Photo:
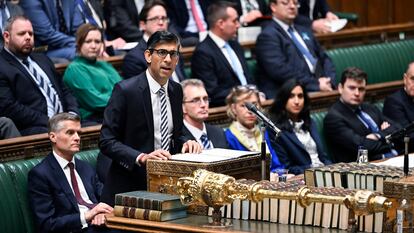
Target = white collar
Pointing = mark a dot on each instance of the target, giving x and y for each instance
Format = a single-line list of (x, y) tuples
[(154, 85), (284, 25), (63, 162), (196, 132), (219, 41)]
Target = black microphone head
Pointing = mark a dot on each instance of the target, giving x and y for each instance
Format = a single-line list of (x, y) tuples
[(250, 106)]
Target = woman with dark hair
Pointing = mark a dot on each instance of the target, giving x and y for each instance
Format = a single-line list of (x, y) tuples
[(244, 133), (299, 146), (90, 79)]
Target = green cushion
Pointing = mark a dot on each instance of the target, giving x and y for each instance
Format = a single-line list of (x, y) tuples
[(352, 17), (383, 62), (11, 220), (18, 171), (318, 118)]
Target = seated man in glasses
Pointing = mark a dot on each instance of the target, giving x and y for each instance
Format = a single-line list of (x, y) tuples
[(153, 17), (195, 110)]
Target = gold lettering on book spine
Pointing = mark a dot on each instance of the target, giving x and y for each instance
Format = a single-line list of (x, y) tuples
[(216, 190)]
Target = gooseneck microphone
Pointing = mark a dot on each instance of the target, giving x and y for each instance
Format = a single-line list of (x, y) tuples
[(252, 108)]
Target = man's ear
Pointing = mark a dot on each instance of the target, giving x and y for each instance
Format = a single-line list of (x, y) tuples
[(147, 55), (52, 137)]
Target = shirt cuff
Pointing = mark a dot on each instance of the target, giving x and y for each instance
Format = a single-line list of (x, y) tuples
[(138, 159), (83, 220)]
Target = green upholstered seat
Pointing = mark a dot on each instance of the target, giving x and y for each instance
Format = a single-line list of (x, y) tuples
[(383, 62), (11, 216), (16, 172), (318, 117)]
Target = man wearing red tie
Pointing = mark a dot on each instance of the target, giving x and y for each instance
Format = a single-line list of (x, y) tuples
[(64, 191)]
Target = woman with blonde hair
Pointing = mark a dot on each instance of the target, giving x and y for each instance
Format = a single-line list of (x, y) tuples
[(244, 133)]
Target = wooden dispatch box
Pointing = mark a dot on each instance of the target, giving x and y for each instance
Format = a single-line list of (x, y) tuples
[(393, 191), (162, 175)]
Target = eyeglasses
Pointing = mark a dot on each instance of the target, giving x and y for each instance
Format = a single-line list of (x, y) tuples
[(286, 3), (163, 53), (198, 100), (157, 19), (248, 87)]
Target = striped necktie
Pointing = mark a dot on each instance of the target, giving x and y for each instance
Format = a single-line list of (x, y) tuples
[(61, 17), (204, 140), (44, 84), (165, 142)]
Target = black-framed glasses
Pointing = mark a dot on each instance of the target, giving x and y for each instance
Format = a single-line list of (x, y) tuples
[(287, 2), (198, 100), (163, 53), (157, 19)]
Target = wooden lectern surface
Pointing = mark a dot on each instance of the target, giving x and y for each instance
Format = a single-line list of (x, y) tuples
[(194, 223)]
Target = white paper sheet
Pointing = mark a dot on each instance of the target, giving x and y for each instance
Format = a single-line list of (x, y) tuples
[(212, 155)]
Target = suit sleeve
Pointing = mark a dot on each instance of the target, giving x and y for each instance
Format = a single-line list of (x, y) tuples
[(338, 131), (283, 156), (133, 64), (271, 54), (43, 205), (43, 28), (202, 67), (394, 110), (22, 116), (120, 22), (112, 130)]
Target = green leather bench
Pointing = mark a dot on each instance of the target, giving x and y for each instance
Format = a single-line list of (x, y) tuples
[(14, 204), (383, 62)]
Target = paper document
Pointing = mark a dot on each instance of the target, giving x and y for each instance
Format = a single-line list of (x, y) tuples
[(129, 46), (397, 161), (337, 25), (213, 155)]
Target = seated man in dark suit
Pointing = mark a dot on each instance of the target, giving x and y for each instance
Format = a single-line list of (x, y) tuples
[(195, 110), (64, 191), (219, 60), (31, 91), (153, 17), (188, 18), (399, 106), (350, 123), (285, 50), (144, 119)]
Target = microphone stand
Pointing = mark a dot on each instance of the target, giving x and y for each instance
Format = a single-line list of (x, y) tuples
[(406, 158), (263, 152)]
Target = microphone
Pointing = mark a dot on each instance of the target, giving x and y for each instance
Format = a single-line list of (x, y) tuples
[(400, 132), (252, 108)]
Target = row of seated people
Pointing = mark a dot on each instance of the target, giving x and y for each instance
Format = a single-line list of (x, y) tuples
[(56, 21), (144, 120), (91, 80)]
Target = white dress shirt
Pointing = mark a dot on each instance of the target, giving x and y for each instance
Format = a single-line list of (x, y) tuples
[(197, 133), (191, 25)]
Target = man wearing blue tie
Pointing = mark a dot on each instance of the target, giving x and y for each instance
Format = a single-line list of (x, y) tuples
[(219, 60), (285, 50), (350, 123)]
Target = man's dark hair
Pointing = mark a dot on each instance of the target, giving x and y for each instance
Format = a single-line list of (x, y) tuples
[(162, 37), (54, 125), (353, 73), (148, 6), (217, 11), (11, 20)]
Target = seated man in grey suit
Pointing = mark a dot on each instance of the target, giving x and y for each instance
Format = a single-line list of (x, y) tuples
[(195, 110), (8, 129)]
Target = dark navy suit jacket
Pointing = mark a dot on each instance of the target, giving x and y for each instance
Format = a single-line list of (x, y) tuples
[(215, 135), (52, 200), (20, 97), (319, 11), (135, 63), (279, 59), (292, 152), (399, 107), (128, 130), (210, 65), (344, 132)]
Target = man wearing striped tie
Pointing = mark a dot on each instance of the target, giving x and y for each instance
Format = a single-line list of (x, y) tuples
[(144, 119), (195, 110), (31, 91)]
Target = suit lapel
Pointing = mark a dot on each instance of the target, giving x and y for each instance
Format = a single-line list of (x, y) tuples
[(353, 120), (292, 137), (60, 178), (86, 183), (176, 104), (12, 61), (220, 55), (144, 89)]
